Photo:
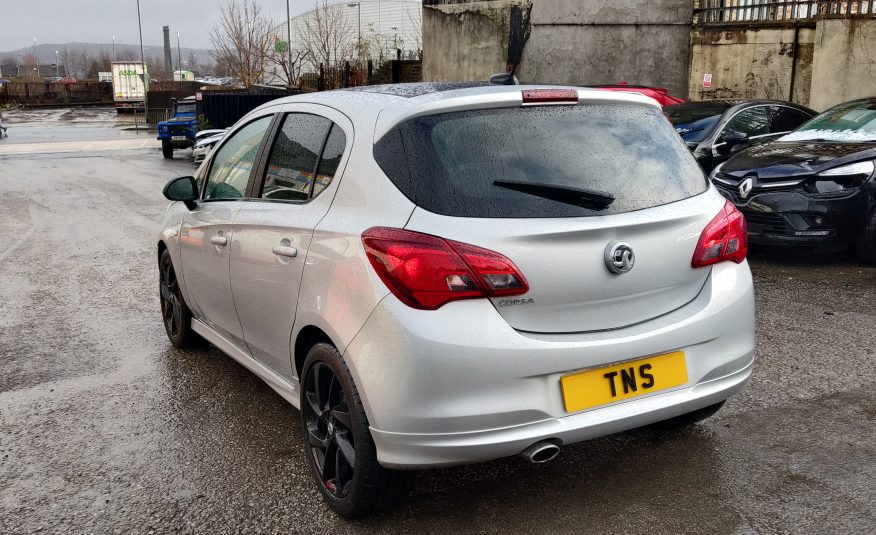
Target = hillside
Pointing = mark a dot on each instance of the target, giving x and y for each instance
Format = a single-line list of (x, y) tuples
[(46, 52)]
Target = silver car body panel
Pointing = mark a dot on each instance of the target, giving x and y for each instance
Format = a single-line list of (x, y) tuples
[(472, 380)]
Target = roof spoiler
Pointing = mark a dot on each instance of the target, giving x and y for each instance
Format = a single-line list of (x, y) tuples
[(504, 78)]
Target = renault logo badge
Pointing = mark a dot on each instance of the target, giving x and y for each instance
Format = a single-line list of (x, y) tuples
[(745, 187), (619, 257)]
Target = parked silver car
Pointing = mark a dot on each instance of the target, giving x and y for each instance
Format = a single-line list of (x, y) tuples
[(438, 274)]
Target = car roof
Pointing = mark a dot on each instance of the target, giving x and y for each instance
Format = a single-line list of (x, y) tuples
[(416, 89), (705, 104), (388, 105), (728, 104)]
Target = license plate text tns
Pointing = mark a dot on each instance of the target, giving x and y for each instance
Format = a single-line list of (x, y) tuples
[(623, 381)]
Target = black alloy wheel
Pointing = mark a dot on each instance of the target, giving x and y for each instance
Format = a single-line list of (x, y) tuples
[(338, 445), (328, 428), (174, 312)]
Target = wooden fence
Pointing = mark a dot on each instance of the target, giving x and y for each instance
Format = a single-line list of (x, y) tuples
[(47, 94)]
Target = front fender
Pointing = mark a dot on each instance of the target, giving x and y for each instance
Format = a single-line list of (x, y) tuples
[(170, 237)]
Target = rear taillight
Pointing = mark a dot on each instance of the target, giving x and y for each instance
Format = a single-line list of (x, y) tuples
[(425, 271), (724, 238)]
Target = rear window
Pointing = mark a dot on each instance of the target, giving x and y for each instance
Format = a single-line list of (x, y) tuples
[(534, 161)]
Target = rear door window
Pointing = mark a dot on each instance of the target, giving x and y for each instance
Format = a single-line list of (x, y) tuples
[(294, 156), (548, 161)]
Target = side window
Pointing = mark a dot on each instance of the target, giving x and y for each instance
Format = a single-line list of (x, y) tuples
[(753, 122), (294, 157), (331, 158), (786, 119), (232, 165)]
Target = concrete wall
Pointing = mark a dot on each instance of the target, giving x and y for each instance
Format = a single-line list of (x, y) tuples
[(609, 41), (466, 41), (844, 66), (571, 41), (752, 62)]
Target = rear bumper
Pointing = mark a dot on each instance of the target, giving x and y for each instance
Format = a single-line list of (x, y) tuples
[(397, 450), (459, 385)]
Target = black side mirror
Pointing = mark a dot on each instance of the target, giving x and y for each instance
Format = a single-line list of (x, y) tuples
[(184, 189)]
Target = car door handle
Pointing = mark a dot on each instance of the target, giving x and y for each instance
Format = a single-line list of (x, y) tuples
[(285, 250), (219, 240)]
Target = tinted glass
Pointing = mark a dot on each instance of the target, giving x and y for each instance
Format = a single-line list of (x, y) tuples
[(753, 121), (785, 119), (849, 122), (232, 165), (449, 163), (331, 158), (693, 124), (292, 164)]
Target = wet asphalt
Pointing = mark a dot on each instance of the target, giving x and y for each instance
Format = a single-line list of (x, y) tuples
[(105, 428)]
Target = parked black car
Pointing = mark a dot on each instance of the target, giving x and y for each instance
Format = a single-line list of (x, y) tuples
[(812, 187), (717, 129)]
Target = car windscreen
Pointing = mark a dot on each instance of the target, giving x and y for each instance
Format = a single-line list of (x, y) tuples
[(693, 124), (546, 161), (852, 122), (185, 107)]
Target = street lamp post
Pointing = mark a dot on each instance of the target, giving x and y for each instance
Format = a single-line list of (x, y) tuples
[(359, 24), (57, 67), (114, 47), (178, 56), (36, 60), (142, 52)]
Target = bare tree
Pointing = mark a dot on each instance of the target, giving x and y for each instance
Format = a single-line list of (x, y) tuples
[(31, 64), (280, 57), (326, 34), (242, 39)]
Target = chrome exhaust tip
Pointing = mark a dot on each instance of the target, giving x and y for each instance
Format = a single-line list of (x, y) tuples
[(541, 452)]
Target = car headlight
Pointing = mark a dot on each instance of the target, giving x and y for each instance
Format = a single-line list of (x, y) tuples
[(844, 177)]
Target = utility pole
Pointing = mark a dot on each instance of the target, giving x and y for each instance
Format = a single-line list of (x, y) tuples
[(142, 52), (36, 60), (57, 66), (178, 56), (288, 42), (114, 47)]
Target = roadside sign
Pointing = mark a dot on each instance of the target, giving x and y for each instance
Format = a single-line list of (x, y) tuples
[(199, 97), (707, 80)]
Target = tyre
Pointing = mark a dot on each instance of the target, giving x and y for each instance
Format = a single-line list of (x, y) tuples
[(337, 442), (175, 313), (866, 245), (685, 420), (167, 149)]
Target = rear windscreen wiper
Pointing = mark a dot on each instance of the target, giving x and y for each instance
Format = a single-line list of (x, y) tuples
[(585, 198)]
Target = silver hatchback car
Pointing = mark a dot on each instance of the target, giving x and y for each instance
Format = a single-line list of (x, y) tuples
[(439, 274)]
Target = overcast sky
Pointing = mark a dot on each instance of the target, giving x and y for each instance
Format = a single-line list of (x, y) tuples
[(95, 21)]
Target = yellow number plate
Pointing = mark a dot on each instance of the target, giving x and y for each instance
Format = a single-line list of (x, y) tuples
[(623, 381)]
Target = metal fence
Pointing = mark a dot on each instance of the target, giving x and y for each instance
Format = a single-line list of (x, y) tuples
[(724, 11), (352, 74)]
